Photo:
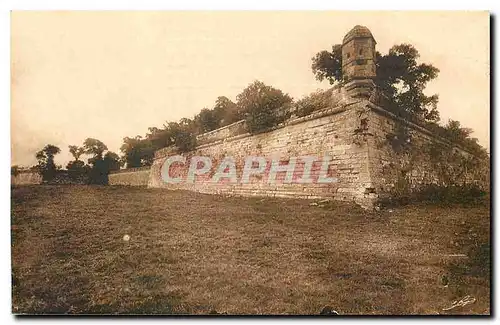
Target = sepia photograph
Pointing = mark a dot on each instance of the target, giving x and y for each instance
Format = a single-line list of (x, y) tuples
[(222, 163)]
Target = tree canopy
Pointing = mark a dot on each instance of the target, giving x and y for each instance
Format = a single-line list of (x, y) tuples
[(46, 164), (399, 75), (94, 147), (263, 106)]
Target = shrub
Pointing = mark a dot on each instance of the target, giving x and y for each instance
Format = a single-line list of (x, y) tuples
[(315, 101)]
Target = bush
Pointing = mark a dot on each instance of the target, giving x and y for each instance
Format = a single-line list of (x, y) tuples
[(264, 107), (317, 100), (14, 170)]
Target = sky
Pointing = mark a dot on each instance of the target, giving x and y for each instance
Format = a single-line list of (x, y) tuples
[(108, 75)]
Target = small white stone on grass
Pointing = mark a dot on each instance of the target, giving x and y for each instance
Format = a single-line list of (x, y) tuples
[(126, 238)]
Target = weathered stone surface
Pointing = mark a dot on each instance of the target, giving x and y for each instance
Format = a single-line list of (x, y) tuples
[(353, 131)]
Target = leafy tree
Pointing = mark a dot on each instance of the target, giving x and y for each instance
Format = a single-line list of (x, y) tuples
[(328, 65), (14, 170), (160, 138), (99, 172), (185, 140), (182, 134), (315, 101), (76, 151), (76, 166), (112, 161), (140, 151), (94, 147), (207, 120), (401, 78), (263, 106), (46, 164), (101, 164), (461, 135), (226, 111)]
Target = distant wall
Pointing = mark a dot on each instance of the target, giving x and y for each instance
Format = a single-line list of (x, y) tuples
[(130, 177), (26, 178)]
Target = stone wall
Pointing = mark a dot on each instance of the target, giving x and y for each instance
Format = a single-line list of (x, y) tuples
[(130, 177), (387, 168), (26, 178), (353, 130), (325, 133)]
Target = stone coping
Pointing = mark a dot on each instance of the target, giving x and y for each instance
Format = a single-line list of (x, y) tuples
[(416, 126)]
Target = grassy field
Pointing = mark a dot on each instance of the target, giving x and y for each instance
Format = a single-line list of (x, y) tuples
[(194, 253)]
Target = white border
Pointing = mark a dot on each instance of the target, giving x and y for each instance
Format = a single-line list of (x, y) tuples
[(178, 5)]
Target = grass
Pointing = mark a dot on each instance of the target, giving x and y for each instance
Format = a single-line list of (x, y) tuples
[(191, 253)]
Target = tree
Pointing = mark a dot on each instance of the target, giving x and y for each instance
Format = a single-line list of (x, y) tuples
[(399, 76), (461, 135), (14, 170), (94, 147), (263, 106), (76, 166), (137, 151), (76, 151), (160, 138), (100, 164), (182, 134), (140, 151), (315, 101), (328, 65), (185, 139), (224, 113), (46, 164)]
